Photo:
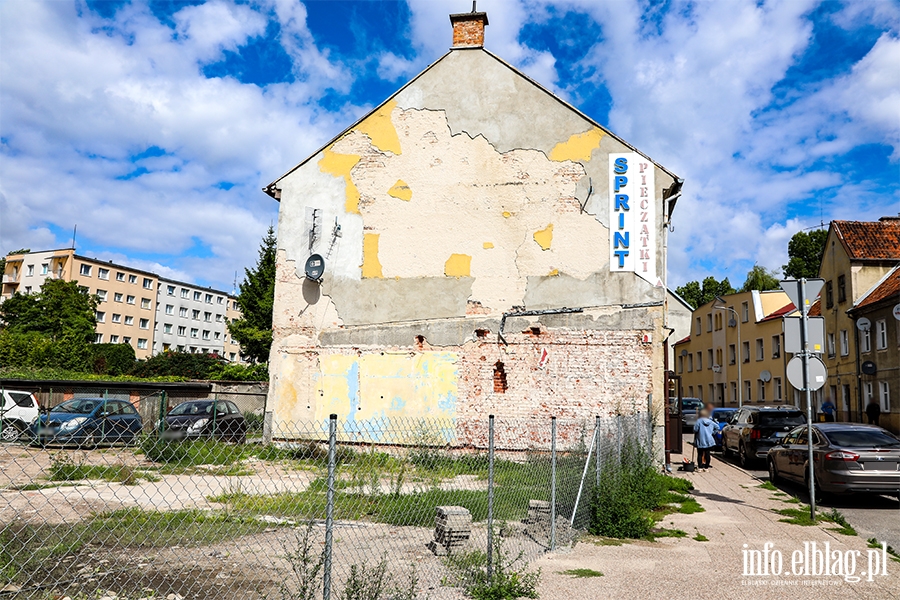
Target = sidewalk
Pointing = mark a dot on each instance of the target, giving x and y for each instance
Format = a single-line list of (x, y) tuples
[(737, 512)]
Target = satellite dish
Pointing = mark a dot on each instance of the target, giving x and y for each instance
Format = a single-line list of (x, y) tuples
[(868, 368), (863, 324), (315, 267), (717, 368), (732, 322), (684, 352), (765, 376)]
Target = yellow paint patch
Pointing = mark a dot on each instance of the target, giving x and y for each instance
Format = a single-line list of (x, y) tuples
[(577, 147), (544, 237), (488, 245), (458, 265), (401, 191), (340, 166), (371, 267), (553, 273), (506, 214), (380, 129)]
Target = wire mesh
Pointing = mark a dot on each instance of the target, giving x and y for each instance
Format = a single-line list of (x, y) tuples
[(201, 516)]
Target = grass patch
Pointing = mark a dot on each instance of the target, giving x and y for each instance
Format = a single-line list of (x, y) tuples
[(792, 501), (796, 516), (665, 533), (700, 537), (800, 516), (581, 573), (602, 541), (843, 527), (691, 506), (192, 453), (63, 468), (874, 543), (768, 485)]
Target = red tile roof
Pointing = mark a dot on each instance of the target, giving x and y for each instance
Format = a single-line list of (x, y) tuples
[(887, 289), (784, 310), (816, 309), (684, 341), (870, 240)]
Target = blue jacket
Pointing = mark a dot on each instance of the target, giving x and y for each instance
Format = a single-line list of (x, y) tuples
[(704, 428)]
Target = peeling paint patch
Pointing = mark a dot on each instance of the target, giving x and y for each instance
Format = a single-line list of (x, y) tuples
[(371, 267), (544, 237), (340, 165), (380, 129), (488, 245), (401, 191), (506, 214), (458, 265), (578, 147), (553, 273)]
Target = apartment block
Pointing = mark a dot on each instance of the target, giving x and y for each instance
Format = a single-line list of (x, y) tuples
[(191, 318)]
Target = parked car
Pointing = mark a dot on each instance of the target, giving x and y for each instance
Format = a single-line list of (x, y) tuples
[(88, 422), (721, 416), (690, 410), (754, 429), (18, 410), (847, 457), (205, 418)]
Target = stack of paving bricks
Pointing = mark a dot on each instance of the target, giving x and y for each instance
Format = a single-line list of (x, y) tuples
[(452, 529)]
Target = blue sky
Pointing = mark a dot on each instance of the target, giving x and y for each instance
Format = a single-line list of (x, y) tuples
[(153, 125)]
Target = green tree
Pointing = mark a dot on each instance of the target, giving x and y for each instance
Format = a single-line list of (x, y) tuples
[(697, 295), (760, 278), (253, 331), (805, 252), (62, 309)]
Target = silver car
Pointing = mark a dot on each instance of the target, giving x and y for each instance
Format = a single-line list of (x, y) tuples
[(690, 411), (848, 457)]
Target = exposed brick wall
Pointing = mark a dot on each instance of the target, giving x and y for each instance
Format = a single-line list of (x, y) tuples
[(468, 33)]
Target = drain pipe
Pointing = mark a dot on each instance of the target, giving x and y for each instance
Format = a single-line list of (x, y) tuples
[(532, 313)]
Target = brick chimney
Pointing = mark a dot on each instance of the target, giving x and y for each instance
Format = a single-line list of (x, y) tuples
[(468, 28)]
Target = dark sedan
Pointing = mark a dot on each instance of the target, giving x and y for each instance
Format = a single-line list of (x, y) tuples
[(206, 418), (754, 429), (848, 457), (88, 422)]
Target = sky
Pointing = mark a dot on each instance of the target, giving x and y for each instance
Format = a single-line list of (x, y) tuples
[(153, 125)]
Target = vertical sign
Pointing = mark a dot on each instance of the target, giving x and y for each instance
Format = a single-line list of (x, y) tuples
[(632, 216)]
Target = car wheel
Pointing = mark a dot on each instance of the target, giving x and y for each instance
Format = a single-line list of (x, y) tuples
[(744, 457), (726, 452), (10, 432), (773, 472)]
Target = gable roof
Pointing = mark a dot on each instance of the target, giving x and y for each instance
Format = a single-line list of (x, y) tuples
[(815, 310), (870, 240), (272, 191), (888, 289), (784, 310)]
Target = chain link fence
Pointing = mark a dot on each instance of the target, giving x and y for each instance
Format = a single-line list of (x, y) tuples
[(391, 508)]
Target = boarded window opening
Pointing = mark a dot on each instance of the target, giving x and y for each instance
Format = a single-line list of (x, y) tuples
[(499, 378), (420, 341), (481, 333)]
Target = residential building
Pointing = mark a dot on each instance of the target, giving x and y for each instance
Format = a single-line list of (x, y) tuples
[(858, 257), (487, 248), (232, 349), (191, 319), (734, 354)]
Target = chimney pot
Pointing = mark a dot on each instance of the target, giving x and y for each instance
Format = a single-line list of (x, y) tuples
[(468, 29)]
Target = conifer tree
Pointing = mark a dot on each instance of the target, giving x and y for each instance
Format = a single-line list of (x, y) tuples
[(253, 331)]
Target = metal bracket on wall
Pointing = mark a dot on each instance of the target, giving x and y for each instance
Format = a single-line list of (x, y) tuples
[(532, 313)]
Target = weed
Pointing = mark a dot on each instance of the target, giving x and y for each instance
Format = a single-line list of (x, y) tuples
[(838, 519), (305, 567), (581, 573), (192, 453), (701, 538), (664, 533), (64, 468), (768, 485), (874, 543), (792, 501), (366, 583), (796, 516), (506, 581)]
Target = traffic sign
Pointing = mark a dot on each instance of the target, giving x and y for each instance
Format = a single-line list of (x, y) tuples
[(897, 311), (863, 324), (791, 287), (815, 334), (817, 373)]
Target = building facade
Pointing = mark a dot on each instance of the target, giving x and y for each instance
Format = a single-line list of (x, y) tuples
[(192, 319), (487, 249)]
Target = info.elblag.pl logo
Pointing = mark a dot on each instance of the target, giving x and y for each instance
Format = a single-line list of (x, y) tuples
[(814, 560)]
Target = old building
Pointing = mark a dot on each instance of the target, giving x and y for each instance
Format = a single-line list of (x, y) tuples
[(487, 248)]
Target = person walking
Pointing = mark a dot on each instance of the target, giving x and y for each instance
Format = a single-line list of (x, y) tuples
[(873, 411), (704, 439), (828, 409)]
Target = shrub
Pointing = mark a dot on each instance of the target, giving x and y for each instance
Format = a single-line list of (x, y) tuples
[(160, 451), (180, 364), (238, 372), (506, 581), (112, 359)]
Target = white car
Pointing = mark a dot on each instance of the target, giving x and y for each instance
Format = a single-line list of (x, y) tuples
[(18, 410)]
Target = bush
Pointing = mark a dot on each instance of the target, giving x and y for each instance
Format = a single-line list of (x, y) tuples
[(112, 359), (35, 350), (238, 372), (506, 582), (180, 364)]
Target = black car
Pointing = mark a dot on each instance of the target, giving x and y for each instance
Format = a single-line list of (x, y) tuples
[(754, 429), (205, 418)]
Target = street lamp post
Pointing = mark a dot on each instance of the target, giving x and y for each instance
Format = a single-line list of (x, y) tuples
[(740, 350)]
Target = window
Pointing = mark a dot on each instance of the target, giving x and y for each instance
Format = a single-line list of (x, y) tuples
[(197, 296), (680, 365), (29, 271), (148, 284), (734, 397), (102, 295), (731, 354), (829, 295), (184, 293), (207, 317), (120, 276), (776, 346), (218, 318), (170, 309), (845, 343), (842, 288), (700, 393), (28, 289), (880, 334), (747, 391), (690, 391), (219, 300), (865, 340), (776, 385), (129, 299), (167, 328), (746, 352), (113, 339), (145, 302), (845, 398), (182, 312), (709, 322), (101, 316), (132, 279), (205, 334), (867, 390), (690, 363), (697, 327), (45, 268), (231, 356), (85, 270), (98, 338), (761, 391), (116, 318), (117, 297), (142, 344), (195, 314), (884, 396), (170, 290), (144, 323), (129, 320), (194, 332), (209, 298), (103, 273), (760, 349), (126, 340), (829, 343), (182, 330), (709, 359), (745, 312), (217, 335)]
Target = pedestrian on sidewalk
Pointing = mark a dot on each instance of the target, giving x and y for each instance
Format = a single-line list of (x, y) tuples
[(828, 409), (704, 439), (873, 411)]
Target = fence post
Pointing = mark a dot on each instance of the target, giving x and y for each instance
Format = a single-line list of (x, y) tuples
[(490, 513), (597, 449), (329, 508), (2, 411), (619, 438), (163, 405), (552, 483)]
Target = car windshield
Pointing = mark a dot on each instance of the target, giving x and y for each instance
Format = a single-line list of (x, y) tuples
[(722, 415), (691, 403), (863, 438), (781, 419), (78, 407), (192, 408)]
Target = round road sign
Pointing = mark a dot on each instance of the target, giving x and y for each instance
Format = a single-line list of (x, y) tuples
[(897, 311), (817, 373)]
